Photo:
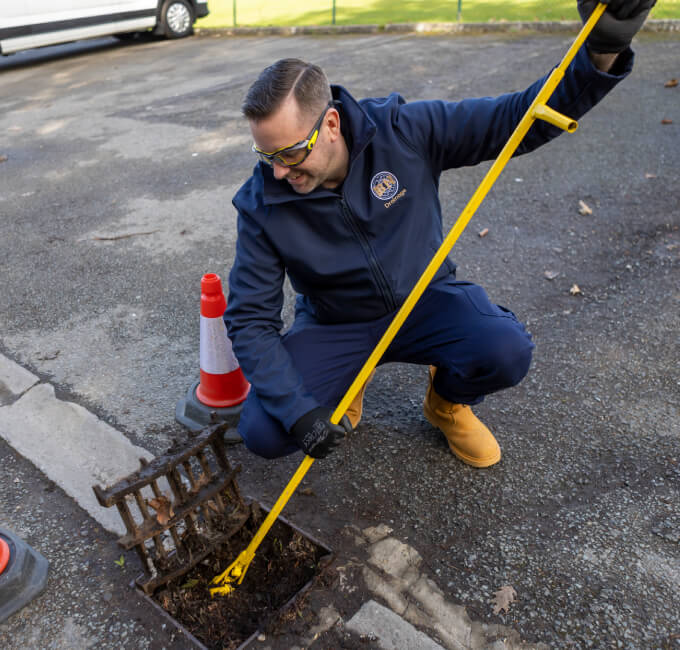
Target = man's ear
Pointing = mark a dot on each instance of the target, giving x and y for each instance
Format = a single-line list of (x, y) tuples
[(332, 120)]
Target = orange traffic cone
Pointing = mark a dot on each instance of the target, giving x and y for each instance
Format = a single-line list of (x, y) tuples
[(23, 573), (222, 389)]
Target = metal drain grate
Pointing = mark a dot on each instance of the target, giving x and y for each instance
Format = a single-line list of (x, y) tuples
[(179, 507)]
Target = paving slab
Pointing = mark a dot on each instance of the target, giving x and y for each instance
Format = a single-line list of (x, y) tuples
[(391, 631)]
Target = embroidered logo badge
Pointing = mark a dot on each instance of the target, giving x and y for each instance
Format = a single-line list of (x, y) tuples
[(384, 185)]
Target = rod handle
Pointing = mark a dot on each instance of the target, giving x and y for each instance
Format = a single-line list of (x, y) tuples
[(547, 114)]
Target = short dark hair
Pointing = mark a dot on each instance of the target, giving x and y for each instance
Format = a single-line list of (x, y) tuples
[(306, 81)]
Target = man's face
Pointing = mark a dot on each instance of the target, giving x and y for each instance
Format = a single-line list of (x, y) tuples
[(289, 125)]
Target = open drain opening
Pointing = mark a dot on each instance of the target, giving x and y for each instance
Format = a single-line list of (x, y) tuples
[(284, 565), (187, 521)]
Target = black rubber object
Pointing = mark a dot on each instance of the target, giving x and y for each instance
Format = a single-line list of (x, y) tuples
[(195, 415), (24, 577)]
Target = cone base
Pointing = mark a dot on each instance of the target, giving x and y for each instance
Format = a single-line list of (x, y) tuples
[(224, 390), (24, 577), (195, 415)]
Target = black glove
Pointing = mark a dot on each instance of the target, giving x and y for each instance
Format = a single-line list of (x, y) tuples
[(315, 434), (617, 25)]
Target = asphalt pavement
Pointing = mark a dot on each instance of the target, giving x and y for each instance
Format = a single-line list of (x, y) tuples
[(121, 161)]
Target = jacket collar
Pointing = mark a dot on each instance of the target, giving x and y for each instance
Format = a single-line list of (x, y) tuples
[(361, 129)]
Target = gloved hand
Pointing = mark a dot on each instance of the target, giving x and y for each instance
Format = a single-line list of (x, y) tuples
[(315, 434), (617, 25)]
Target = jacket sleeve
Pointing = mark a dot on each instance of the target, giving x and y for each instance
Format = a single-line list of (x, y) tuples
[(253, 319), (456, 134)]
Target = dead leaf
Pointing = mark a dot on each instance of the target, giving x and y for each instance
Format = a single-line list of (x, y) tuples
[(575, 290), (3, 158), (163, 508), (483, 233), (308, 492), (190, 584), (502, 599), (584, 208), (550, 275), (648, 175), (671, 83), (666, 121)]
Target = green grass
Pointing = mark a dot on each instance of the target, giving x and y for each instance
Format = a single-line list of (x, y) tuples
[(349, 12)]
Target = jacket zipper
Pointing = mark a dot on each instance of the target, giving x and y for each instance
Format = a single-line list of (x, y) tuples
[(376, 269)]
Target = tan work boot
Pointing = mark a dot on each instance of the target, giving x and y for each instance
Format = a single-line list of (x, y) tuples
[(354, 410), (468, 437)]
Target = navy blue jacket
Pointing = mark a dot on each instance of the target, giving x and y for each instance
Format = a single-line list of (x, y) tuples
[(354, 256)]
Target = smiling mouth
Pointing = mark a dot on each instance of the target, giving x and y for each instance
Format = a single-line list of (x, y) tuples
[(294, 178)]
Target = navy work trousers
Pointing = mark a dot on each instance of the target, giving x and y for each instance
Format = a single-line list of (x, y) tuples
[(478, 348)]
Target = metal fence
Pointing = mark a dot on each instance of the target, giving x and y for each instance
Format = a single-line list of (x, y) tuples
[(235, 11)]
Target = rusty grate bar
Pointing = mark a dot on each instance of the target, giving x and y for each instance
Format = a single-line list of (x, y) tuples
[(179, 507)]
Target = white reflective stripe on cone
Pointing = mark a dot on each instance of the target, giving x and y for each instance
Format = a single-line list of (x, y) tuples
[(217, 357)]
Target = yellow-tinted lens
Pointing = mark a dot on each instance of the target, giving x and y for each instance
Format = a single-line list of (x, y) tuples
[(291, 156)]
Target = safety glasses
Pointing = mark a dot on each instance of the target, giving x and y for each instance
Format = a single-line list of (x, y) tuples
[(296, 153)]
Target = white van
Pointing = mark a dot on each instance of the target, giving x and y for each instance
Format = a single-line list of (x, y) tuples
[(26, 24)]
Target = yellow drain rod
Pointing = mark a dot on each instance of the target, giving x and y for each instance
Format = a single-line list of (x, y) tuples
[(538, 110)]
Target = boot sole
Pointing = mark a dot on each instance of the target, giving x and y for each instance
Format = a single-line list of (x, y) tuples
[(468, 460)]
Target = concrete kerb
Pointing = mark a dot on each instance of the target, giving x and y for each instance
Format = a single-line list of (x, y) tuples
[(68, 443), (550, 26)]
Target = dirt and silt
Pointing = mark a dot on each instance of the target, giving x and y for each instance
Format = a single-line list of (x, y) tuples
[(283, 564)]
